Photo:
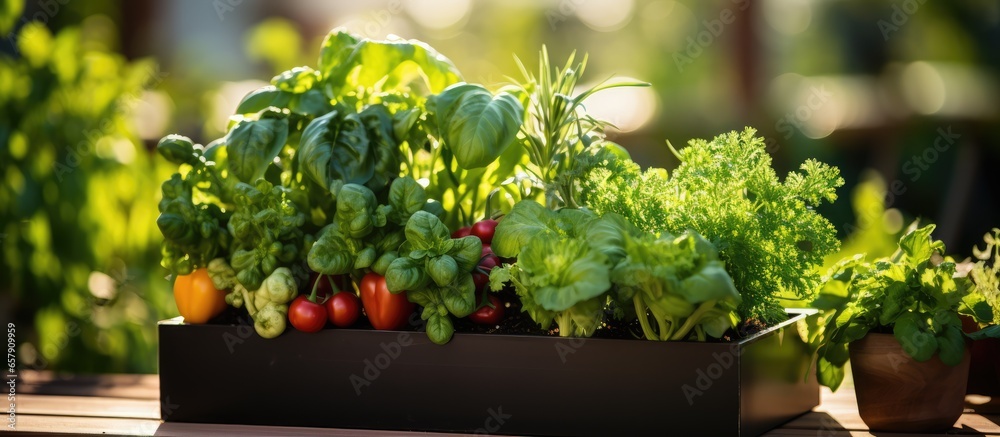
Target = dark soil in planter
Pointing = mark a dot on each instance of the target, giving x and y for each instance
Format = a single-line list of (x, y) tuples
[(517, 322)]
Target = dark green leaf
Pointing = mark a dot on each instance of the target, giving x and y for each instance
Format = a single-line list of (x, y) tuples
[(912, 333), (475, 124), (263, 98), (424, 231), (405, 274), (439, 329), (460, 296), (253, 144), (442, 269), (406, 197)]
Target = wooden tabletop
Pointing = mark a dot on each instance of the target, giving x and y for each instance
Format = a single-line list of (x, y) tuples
[(50, 404)]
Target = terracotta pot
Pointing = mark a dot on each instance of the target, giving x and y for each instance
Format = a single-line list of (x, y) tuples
[(899, 394)]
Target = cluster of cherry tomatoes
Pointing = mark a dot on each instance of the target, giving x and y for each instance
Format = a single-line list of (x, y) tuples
[(332, 299)]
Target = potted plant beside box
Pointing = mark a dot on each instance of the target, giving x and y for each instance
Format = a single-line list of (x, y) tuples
[(984, 370), (898, 321), (368, 171)]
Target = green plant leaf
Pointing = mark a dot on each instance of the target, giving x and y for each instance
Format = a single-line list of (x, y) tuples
[(356, 211), (384, 145), (406, 197), (424, 231), (297, 80), (918, 245), (262, 98), (331, 254), (711, 282), (951, 345), (442, 269), (335, 151), (348, 62), (439, 329), (572, 271), (912, 333), (526, 220), (830, 375), (476, 125), (467, 251), (460, 296), (253, 144), (405, 274)]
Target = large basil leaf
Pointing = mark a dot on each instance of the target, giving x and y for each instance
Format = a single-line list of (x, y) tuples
[(297, 80), (467, 251), (439, 328), (331, 254), (442, 269), (253, 144), (378, 125), (356, 211), (347, 62), (476, 125), (335, 151), (460, 296), (406, 197), (405, 274), (262, 98)]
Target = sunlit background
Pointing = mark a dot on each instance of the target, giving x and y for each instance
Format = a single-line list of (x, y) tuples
[(901, 95)]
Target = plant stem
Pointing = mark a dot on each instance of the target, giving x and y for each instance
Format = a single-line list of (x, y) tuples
[(693, 319), (640, 312)]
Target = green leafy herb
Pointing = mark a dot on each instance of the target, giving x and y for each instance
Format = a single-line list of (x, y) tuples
[(916, 298), (435, 271), (768, 232)]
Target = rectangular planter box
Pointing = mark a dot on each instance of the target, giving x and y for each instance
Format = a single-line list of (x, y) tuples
[(496, 384)]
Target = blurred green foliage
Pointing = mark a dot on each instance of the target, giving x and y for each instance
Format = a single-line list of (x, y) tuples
[(77, 208)]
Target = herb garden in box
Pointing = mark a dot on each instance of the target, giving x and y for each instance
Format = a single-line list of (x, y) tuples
[(375, 234)]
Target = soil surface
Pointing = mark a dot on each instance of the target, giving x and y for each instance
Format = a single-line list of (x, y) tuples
[(516, 322)]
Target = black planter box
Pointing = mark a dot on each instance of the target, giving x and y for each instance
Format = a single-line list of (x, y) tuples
[(496, 384)]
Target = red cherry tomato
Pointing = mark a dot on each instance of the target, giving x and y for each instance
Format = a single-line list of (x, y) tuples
[(343, 309), (386, 311), (487, 315), (485, 230), (462, 232), (489, 260), (481, 280), (306, 316)]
